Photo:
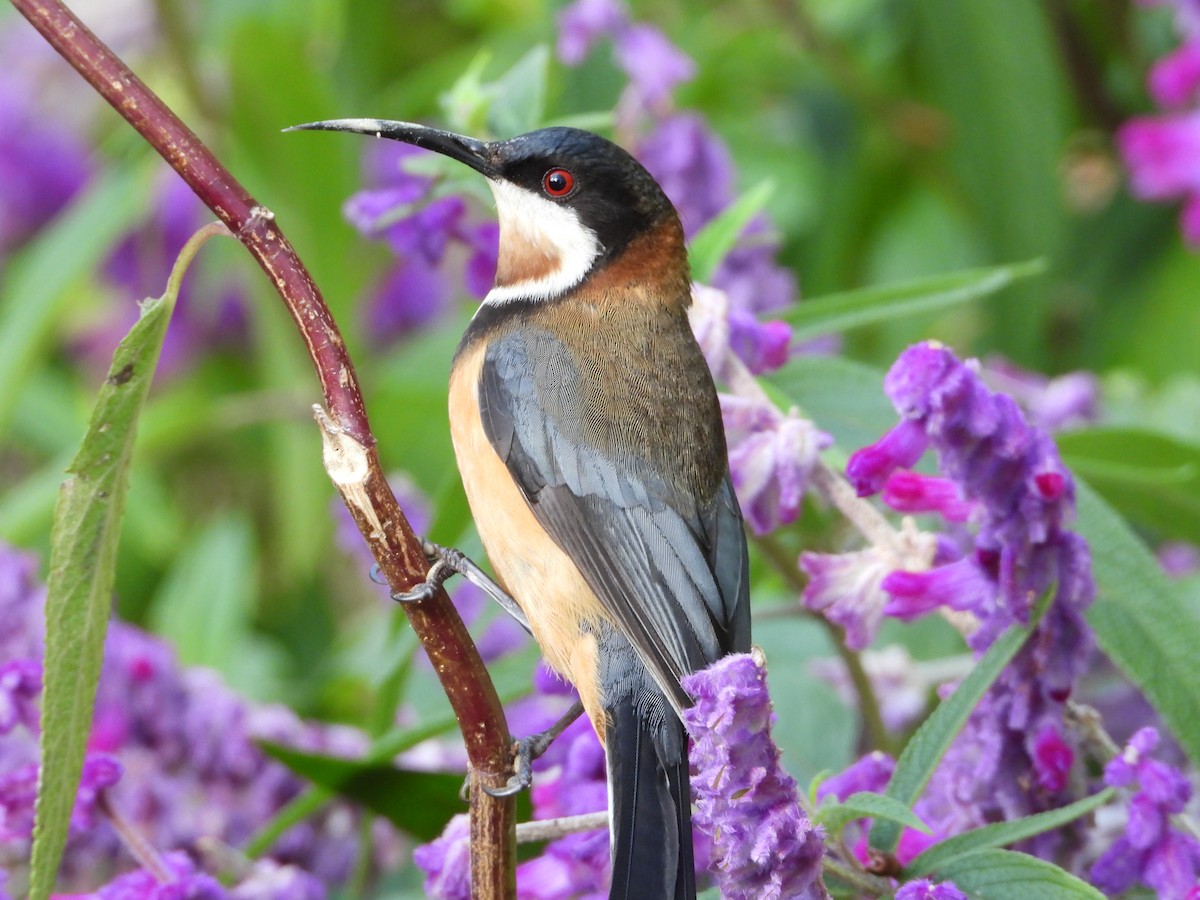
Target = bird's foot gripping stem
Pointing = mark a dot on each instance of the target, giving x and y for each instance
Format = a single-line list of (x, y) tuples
[(530, 748), (448, 561), (423, 590)]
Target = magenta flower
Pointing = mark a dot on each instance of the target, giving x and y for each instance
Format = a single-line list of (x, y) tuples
[(763, 845), (1160, 151), (910, 492)]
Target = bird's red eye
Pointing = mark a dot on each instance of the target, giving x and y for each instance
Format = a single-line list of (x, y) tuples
[(558, 182)]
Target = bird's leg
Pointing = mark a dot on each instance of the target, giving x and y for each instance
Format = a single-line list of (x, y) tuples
[(457, 561), (530, 748)]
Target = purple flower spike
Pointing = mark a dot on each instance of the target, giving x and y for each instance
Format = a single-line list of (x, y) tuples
[(693, 166), (447, 861), (763, 846), (1013, 758), (924, 889), (42, 165)]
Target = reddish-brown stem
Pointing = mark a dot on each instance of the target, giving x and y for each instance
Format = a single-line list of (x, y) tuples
[(372, 503)]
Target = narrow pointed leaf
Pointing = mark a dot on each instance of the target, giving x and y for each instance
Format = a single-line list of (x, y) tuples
[(838, 312), (1008, 875), (1001, 834), (83, 547), (866, 805)]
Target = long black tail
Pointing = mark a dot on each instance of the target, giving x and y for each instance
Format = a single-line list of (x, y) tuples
[(650, 798)]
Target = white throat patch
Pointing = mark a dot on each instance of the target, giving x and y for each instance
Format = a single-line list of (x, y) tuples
[(544, 248)]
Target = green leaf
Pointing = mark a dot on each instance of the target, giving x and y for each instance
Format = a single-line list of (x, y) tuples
[(1008, 875), (417, 802), (925, 749), (1150, 477), (867, 805), (866, 306), (717, 238), (204, 606), (307, 803), (1001, 834), (37, 286), (83, 549), (1142, 620)]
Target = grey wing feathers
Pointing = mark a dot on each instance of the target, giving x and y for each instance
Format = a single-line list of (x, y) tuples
[(672, 575)]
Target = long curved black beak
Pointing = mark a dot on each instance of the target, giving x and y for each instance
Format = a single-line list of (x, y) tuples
[(476, 154)]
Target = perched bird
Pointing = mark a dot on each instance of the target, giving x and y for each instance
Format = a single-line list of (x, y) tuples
[(589, 438)]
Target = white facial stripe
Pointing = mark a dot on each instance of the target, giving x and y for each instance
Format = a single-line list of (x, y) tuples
[(532, 225)]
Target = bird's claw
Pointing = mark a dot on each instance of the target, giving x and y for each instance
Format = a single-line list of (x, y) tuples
[(434, 578), (530, 748)]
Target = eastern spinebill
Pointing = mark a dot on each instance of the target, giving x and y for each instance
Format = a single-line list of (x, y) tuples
[(588, 435)]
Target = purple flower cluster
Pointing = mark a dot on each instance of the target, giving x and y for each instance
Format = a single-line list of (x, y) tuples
[(172, 753), (763, 844), (404, 210), (42, 166), (1161, 151), (1013, 758), (654, 66), (1153, 851)]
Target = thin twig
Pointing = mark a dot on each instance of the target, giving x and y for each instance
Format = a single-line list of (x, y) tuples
[(552, 829)]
